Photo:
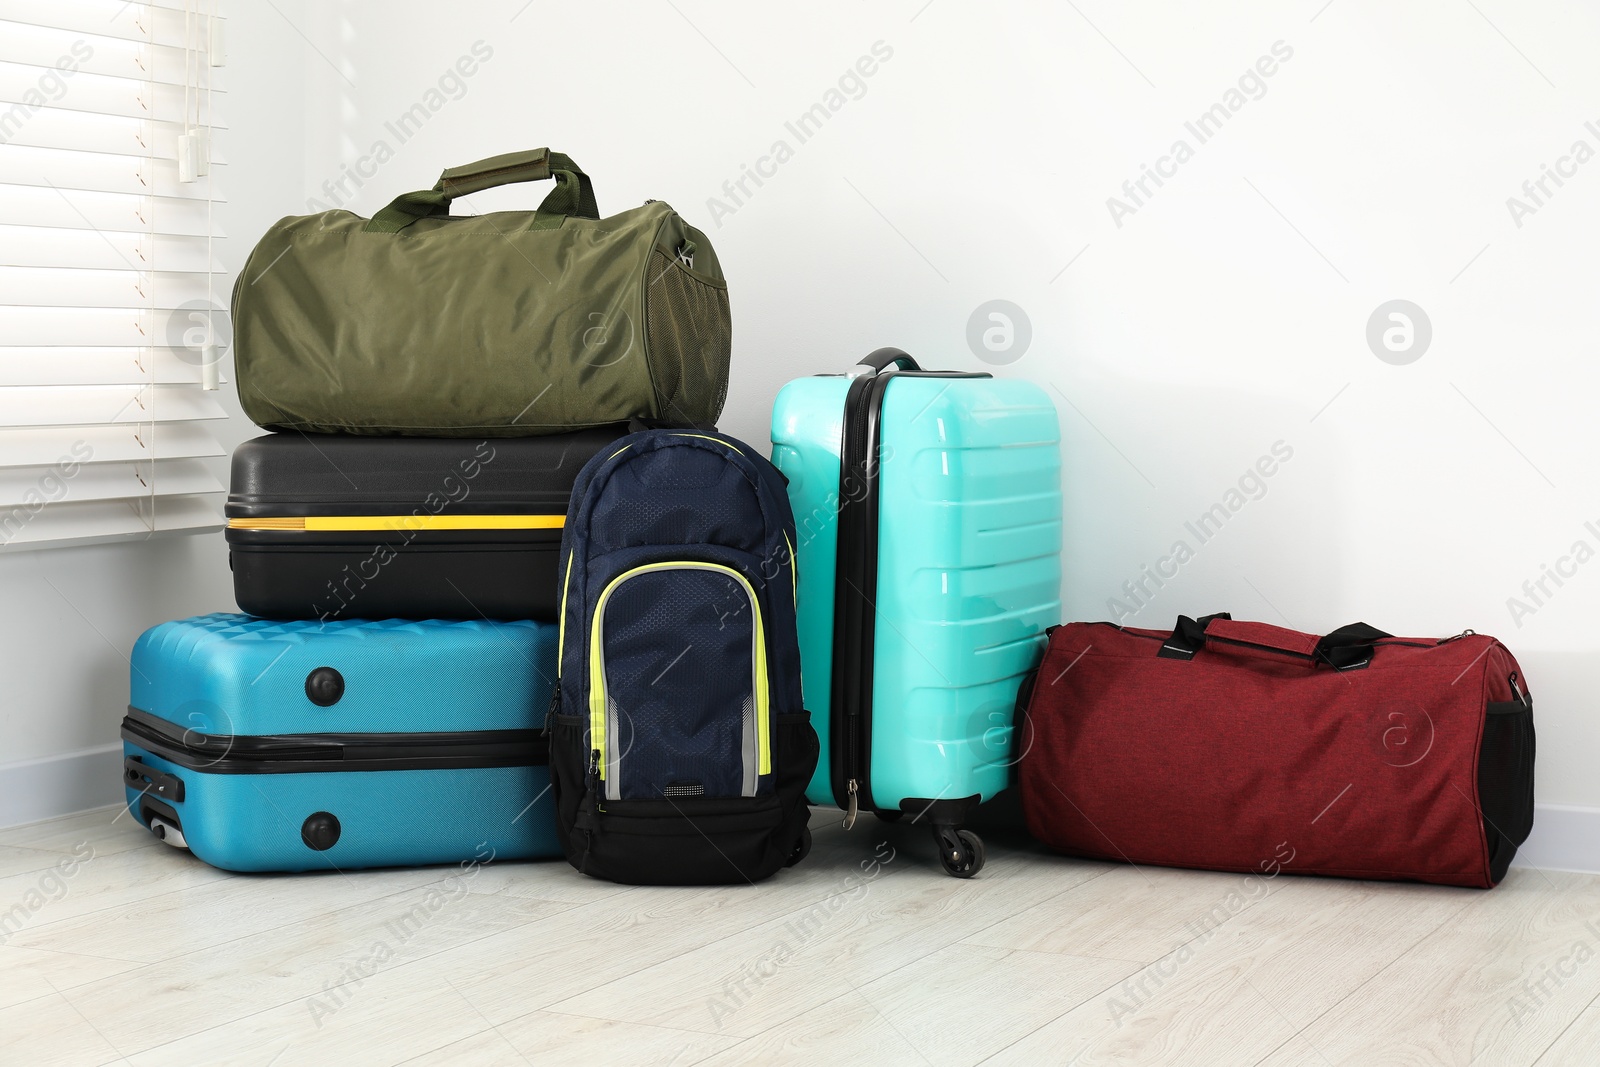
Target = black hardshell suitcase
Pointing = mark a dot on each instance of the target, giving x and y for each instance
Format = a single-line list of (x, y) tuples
[(324, 526)]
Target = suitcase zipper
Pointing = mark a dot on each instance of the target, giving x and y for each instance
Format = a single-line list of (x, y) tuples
[(854, 454), (309, 753), (854, 626)]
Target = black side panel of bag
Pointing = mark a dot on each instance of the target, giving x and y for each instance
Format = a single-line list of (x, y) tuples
[(1505, 781)]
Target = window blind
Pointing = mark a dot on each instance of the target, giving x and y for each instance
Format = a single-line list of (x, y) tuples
[(112, 320)]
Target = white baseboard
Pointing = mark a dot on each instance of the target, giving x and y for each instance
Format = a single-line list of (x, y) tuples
[(1564, 838), (61, 785)]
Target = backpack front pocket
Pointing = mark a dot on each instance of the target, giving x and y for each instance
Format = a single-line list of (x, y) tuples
[(670, 716)]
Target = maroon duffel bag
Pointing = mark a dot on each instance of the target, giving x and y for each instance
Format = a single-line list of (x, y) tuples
[(1241, 746)]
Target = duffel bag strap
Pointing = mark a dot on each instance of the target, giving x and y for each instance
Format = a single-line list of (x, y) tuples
[(573, 194), (1188, 636), (1347, 648)]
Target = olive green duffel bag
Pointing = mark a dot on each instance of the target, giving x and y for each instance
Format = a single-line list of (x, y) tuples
[(507, 324)]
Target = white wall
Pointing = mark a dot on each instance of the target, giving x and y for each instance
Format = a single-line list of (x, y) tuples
[(70, 616), (1222, 317), (1228, 313)]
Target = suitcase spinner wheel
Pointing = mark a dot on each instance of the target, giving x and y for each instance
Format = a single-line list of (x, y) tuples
[(961, 851)]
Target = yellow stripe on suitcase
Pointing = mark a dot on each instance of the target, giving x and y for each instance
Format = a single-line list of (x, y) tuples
[(337, 523)]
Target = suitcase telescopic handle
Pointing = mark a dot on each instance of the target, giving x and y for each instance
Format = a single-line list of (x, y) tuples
[(1347, 648), (882, 359)]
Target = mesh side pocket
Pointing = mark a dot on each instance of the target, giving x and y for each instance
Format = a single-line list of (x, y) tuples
[(689, 338), (1505, 781)]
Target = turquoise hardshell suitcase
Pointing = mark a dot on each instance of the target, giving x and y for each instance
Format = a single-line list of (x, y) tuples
[(288, 746), (929, 568)]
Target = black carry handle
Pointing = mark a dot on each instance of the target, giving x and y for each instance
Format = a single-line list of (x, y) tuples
[(882, 359), (1347, 648)]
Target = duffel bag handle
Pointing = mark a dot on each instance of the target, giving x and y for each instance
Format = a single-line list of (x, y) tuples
[(1347, 648), (882, 359), (573, 194), (1262, 635)]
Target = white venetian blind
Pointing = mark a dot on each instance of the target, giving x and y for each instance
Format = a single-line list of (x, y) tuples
[(111, 295)]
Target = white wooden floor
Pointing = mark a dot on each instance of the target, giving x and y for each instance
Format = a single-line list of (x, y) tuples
[(143, 954)]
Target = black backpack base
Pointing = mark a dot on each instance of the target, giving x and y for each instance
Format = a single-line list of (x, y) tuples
[(687, 840)]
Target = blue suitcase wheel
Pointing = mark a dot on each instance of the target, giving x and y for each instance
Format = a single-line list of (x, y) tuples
[(324, 687), (320, 831)]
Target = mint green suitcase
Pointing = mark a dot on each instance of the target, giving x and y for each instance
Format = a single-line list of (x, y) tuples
[(929, 568)]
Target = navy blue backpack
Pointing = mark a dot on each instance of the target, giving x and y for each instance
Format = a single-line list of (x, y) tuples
[(679, 746)]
